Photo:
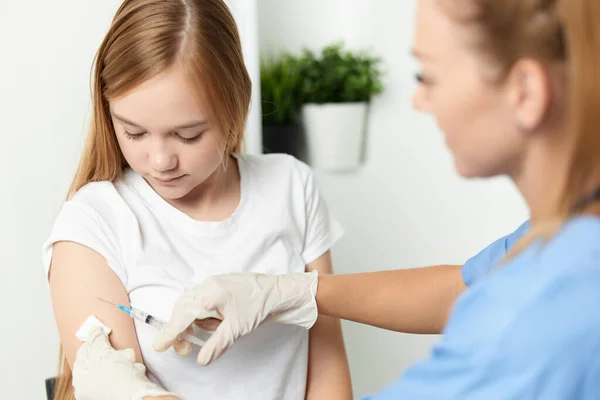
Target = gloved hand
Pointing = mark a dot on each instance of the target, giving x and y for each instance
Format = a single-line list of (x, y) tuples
[(242, 301), (100, 372)]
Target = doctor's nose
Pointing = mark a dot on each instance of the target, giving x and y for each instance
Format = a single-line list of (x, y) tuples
[(420, 101)]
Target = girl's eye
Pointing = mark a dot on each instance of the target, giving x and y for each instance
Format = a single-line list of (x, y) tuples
[(134, 136), (189, 140)]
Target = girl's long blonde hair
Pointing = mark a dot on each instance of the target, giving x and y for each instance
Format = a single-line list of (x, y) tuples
[(566, 32), (147, 37)]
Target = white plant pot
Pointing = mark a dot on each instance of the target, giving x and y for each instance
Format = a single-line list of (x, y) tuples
[(335, 134)]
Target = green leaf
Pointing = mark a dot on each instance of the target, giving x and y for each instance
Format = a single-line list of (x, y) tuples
[(338, 75), (335, 75)]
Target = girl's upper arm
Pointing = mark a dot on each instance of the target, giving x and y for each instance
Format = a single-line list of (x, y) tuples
[(78, 276)]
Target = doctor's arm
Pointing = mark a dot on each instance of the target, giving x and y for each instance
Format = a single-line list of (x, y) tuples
[(78, 275), (410, 300), (415, 300), (328, 371)]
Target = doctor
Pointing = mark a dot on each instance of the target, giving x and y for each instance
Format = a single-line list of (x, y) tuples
[(514, 86)]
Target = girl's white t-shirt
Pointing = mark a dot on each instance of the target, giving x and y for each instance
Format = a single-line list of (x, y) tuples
[(280, 225)]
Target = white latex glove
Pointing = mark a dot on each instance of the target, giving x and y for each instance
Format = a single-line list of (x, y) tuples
[(242, 301), (100, 372)]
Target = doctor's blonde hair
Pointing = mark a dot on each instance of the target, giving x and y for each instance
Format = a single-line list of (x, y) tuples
[(147, 37), (553, 32)]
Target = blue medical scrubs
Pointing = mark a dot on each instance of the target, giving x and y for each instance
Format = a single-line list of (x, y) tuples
[(527, 328)]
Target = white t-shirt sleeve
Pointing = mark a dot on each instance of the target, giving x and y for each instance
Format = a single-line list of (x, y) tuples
[(79, 223), (322, 229)]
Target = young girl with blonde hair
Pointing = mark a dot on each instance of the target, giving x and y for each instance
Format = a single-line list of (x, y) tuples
[(163, 199)]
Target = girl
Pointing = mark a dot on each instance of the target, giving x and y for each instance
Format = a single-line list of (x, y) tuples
[(162, 199), (514, 86)]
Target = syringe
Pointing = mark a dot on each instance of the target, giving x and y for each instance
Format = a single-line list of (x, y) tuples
[(153, 321)]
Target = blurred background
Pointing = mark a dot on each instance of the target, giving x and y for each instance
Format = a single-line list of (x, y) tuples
[(382, 167)]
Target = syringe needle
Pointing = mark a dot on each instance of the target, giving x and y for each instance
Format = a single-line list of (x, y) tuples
[(106, 301)]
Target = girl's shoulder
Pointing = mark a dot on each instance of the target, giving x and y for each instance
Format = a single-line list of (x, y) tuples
[(274, 164)]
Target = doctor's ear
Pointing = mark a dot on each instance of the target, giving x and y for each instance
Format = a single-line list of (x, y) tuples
[(530, 93)]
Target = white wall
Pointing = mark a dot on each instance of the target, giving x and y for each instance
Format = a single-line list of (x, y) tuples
[(47, 50), (246, 15), (406, 207)]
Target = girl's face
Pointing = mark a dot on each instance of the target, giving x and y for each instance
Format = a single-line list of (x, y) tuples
[(166, 135)]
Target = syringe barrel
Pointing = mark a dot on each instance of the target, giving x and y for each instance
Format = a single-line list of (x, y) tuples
[(146, 318), (157, 323)]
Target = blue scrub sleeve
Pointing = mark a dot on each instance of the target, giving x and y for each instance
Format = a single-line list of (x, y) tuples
[(478, 266), (534, 356), (529, 331)]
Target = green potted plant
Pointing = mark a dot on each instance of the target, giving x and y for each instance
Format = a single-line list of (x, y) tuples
[(337, 88), (280, 83)]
